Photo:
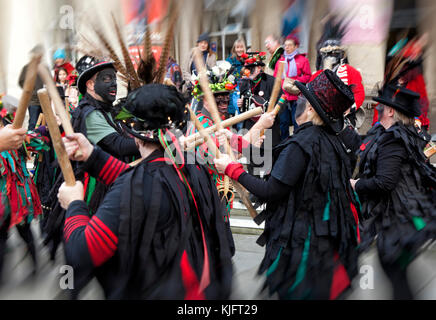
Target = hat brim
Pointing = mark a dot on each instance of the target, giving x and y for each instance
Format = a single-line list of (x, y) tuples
[(260, 64), (336, 125), (216, 92), (88, 73), (396, 106)]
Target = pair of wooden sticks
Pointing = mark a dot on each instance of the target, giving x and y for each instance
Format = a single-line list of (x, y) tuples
[(33, 69)]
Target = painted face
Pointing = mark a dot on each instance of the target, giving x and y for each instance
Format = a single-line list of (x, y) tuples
[(222, 102), (331, 59), (106, 85)]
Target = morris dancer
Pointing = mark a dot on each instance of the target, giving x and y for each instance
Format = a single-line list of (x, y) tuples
[(397, 187), (159, 233), (311, 228)]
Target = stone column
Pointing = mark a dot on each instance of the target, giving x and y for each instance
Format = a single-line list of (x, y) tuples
[(265, 19), (189, 28), (319, 9), (428, 24)]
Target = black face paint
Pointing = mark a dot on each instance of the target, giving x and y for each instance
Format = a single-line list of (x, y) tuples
[(332, 59), (222, 102), (106, 85)]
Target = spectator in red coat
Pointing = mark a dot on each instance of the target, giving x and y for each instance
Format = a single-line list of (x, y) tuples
[(352, 77), (60, 61), (332, 55), (296, 67)]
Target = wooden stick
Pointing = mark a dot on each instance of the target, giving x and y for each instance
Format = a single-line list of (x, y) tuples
[(39, 122), (55, 135), (208, 95), (204, 134), (276, 88), (67, 104), (212, 146), (58, 104), (29, 85), (272, 107), (213, 109), (226, 123)]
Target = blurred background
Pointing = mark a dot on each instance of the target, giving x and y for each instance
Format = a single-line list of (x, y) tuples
[(375, 27)]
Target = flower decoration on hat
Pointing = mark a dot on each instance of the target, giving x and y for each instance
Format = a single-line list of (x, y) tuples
[(254, 58), (221, 80), (6, 116)]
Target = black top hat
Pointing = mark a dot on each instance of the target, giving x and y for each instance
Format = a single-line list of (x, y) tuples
[(401, 99), (330, 97), (89, 68)]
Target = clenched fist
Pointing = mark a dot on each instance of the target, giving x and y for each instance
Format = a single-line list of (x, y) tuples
[(11, 138)]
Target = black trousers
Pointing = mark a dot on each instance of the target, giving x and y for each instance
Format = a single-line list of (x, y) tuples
[(25, 233), (34, 112), (398, 278)]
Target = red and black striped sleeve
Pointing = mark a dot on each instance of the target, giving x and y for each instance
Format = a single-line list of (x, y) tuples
[(91, 241), (103, 166)]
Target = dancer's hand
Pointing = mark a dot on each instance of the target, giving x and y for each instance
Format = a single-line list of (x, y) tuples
[(188, 144), (222, 163), (266, 121), (257, 139), (67, 194), (77, 141), (223, 135), (11, 138)]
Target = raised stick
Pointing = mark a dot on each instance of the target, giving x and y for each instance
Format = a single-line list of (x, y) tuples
[(58, 103), (272, 107), (225, 123), (212, 146), (276, 88), (29, 85), (56, 138), (204, 83), (204, 134), (39, 122)]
